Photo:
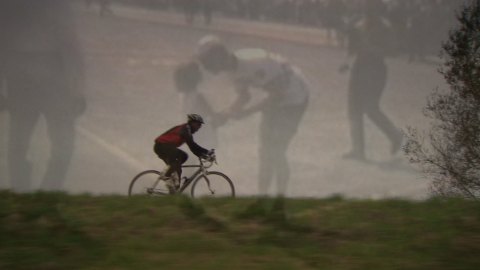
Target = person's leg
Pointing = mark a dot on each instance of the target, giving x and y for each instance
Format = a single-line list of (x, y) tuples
[(167, 153), (265, 153), (24, 114), (373, 110), (174, 158), (61, 130), (386, 126), (357, 132), (286, 126), (22, 124), (356, 98), (179, 158)]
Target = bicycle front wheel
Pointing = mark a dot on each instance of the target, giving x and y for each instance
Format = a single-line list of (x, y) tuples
[(147, 183), (213, 184)]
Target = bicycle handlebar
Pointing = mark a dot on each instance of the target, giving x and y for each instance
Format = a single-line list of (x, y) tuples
[(208, 160)]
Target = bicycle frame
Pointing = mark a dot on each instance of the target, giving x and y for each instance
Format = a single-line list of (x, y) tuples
[(202, 170)]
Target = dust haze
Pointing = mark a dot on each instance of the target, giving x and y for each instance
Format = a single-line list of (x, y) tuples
[(86, 86)]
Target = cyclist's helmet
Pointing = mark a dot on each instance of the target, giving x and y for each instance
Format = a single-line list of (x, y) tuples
[(195, 118)]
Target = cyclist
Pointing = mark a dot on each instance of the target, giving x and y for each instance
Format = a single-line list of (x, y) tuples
[(282, 109), (166, 148)]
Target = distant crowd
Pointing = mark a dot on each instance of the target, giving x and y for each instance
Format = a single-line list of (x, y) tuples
[(419, 25)]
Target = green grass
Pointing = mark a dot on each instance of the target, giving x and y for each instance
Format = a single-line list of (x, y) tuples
[(59, 231)]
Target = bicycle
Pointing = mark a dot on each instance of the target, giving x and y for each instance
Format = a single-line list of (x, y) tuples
[(204, 182)]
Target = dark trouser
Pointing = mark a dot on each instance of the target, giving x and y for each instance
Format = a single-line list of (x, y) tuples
[(172, 156), (368, 80)]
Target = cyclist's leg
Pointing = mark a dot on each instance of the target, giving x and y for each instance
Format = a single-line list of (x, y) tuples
[(175, 171), (168, 153), (165, 152)]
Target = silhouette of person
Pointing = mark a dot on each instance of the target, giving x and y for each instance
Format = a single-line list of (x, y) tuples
[(282, 110), (369, 43), (42, 69)]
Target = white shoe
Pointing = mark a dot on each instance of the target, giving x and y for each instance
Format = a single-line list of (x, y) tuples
[(176, 180), (170, 185)]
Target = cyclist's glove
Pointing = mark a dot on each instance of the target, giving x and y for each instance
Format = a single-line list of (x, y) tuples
[(209, 156)]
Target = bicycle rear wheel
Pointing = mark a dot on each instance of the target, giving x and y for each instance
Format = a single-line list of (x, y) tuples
[(213, 184), (148, 183)]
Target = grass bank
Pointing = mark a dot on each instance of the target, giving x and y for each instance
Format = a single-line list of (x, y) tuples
[(60, 231)]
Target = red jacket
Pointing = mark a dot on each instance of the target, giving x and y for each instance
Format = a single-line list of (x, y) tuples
[(179, 135)]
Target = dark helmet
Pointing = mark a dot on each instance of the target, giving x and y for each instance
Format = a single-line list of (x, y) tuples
[(195, 117)]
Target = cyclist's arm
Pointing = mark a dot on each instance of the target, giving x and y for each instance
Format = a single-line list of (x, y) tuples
[(194, 147)]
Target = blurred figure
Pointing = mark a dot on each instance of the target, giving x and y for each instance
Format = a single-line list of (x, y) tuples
[(333, 21), (369, 43), (190, 8), (207, 9), (282, 110), (399, 17), (105, 7), (187, 77), (43, 74), (418, 32)]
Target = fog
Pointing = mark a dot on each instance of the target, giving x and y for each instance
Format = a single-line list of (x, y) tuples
[(88, 85)]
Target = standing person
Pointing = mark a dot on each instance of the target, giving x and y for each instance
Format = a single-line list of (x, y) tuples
[(166, 148), (369, 44), (282, 110), (43, 72)]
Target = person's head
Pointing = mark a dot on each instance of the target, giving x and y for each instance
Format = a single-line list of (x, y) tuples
[(213, 54), (187, 76), (195, 121)]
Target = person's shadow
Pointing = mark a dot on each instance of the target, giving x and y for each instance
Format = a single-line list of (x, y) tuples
[(43, 76)]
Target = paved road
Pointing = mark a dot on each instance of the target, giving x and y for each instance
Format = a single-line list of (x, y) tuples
[(131, 100)]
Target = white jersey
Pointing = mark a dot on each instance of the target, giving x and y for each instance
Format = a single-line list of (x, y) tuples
[(271, 72)]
